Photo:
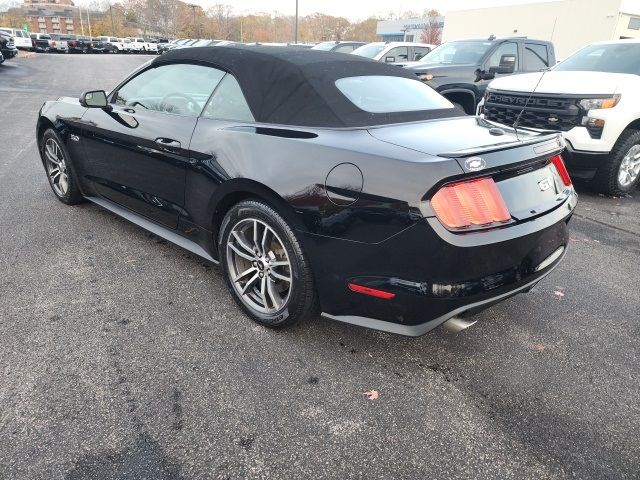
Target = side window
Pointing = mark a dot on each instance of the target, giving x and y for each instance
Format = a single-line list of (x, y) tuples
[(181, 89), (507, 48), (400, 54), (344, 49), (419, 52), (228, 102), (536, 57)]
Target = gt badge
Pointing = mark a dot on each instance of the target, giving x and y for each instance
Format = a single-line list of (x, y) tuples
[(474, 164)]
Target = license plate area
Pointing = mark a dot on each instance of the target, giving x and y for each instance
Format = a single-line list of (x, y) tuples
[(532, 193)]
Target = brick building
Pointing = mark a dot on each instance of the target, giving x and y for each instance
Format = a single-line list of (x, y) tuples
[(55, 16)]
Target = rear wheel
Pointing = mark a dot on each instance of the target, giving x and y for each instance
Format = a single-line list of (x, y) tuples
[(265, 269), (621, 173), (58, 167)]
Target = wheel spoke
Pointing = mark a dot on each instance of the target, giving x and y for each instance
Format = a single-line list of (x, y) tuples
[(54, 173), (279, 263), (255, 234), (249, 283), (264, 243), (247, 248), (245, 273), (51, 154), (279, 276), (241, 253), (263, 294), (275, 298), (63, 182)]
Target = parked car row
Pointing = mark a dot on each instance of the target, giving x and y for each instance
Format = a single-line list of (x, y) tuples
[(66, 43)]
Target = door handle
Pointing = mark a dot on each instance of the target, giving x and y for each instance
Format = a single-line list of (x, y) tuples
[(168, 144)]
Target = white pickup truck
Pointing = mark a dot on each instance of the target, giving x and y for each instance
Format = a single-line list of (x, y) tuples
[(140, 45), (593, 98)]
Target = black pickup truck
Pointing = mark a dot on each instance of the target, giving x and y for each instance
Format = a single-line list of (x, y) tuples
[(79, 44), (461, 70), (100, 45), (7, 47), (40, 42)]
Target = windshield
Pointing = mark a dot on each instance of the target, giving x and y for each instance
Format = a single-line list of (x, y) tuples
[(612, 58), (386, 94), (369, 51), (324, 46), (458, 53)]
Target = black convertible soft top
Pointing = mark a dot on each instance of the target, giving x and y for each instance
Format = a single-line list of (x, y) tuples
[(297, 87)]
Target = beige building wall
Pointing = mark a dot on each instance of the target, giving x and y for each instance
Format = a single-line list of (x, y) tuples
[(623, 30), (569, 24)]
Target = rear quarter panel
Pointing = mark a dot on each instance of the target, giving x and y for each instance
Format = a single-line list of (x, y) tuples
[(296, 169)]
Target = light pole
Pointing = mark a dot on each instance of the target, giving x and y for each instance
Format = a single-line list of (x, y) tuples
[(296, 30), (193, 7)]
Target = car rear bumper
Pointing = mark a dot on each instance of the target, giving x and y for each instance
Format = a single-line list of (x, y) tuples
[(433, 276), (427, 326)]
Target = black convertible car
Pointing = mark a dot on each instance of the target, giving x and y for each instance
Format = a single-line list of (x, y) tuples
[(319, 181)]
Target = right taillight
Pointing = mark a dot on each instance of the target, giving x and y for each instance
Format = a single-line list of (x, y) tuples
[(562, 169), (473, 203)]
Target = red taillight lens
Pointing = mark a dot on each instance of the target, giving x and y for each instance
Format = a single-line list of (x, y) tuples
[(562, 169), (354, 287), (472, 203)]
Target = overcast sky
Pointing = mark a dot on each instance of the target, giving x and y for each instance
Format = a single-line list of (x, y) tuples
[(354, 9)]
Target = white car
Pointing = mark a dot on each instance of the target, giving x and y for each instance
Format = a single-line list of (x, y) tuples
[(593, 98), (21, 39), (118, 43), (140, 45), (59, 43), (394, 52)]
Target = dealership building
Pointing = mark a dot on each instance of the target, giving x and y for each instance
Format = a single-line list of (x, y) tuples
[(569, 24), (404, 30)]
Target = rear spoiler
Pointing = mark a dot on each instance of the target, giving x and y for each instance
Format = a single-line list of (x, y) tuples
[(548, 143)]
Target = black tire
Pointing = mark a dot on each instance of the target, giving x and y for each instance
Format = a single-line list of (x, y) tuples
[(302, 298), (72, 196), (606, 178)]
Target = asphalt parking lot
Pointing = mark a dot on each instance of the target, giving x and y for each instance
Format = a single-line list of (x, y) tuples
[(124, 357)]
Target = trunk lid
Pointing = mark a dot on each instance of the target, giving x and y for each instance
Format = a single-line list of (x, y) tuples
[(518, 163)]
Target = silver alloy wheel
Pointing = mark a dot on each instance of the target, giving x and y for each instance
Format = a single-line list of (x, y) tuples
[(629, 167), (56, 167), (259, 266)]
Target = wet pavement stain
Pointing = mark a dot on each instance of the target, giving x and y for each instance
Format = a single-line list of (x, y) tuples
[(144, 460)]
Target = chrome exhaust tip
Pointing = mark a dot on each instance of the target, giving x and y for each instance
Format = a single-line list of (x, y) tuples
[(456, 324)]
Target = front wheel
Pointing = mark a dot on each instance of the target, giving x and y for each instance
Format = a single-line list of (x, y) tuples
[(264, 265), (621, 174), (57, 164)]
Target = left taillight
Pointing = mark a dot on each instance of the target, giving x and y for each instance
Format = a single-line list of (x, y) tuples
[(561, 169), (469, 204)]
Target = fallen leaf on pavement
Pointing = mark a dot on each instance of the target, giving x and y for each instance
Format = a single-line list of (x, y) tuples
[(539, 347), (372, 394)]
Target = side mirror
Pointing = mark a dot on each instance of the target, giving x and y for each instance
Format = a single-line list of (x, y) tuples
[(94, 99), (483, 75), (390, 59), (507, 64)]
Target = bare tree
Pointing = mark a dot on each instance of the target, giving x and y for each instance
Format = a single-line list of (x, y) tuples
[(222, 21), (432, 31)]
